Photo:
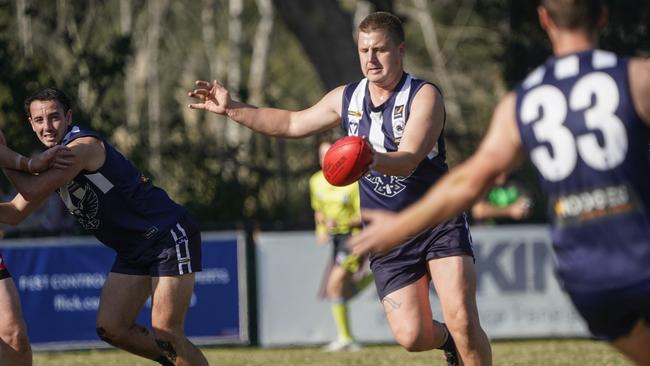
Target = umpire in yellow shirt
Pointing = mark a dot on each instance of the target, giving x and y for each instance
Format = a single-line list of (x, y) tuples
[(337, 214)]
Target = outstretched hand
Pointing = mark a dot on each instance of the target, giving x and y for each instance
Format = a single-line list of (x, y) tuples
[(213, 96), (58, 157), (380, 235)]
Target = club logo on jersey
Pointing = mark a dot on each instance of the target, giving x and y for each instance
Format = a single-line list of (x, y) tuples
[(398, 123), (83, 203), (596, 203), (353, 122), (398, 112), (385, 185)]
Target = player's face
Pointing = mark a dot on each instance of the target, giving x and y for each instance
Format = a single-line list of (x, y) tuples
[(380, 57), (49, 121)]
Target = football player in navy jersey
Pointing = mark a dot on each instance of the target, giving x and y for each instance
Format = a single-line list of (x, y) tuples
[(583, 118), (14, 342), (158, 245), (402, 117)]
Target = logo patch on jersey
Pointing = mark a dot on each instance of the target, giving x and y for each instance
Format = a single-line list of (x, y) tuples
[(398, 123), (83, 203), (596, 203), (387, 186), (398, 112), (353, 122), (353, 128), (151, 232)]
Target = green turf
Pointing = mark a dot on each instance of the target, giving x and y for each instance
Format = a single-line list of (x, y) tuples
[(534, 352)]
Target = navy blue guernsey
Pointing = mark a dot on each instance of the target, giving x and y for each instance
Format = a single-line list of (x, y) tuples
[(579, 126), (383, 126), (117, 203)]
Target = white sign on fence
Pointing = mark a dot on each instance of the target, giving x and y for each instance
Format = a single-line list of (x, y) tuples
[(518, 294)]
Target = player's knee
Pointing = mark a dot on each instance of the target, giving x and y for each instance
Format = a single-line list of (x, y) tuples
[(411, 339), (463, 329), (18, 340), (22, 344), (334, 291)]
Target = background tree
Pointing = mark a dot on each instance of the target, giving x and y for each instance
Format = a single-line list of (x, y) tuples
[(129, 63)]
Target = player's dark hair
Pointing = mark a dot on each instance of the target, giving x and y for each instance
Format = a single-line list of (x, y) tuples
[(48, 94), (574, 14), (384, 21)]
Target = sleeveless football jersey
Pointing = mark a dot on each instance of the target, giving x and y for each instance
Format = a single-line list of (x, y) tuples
[(580, 129), (117, 203), (383, 126)]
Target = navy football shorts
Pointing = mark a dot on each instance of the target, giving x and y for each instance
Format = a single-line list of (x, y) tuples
[(612, 314), (340, 251), (4, 272), (175, 253), (407, 263)]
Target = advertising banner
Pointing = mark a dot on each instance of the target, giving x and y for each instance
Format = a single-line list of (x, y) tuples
[(518, 294), (60, 280)]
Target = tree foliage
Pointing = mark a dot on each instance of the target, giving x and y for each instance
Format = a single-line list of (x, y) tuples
[(129, 63)]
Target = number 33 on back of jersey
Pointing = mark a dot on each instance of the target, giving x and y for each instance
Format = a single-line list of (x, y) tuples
[(596, 97)]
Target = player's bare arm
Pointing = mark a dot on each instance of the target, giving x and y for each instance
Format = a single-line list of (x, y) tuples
[(56, 157), (499, 152), (421, 133), (88, 155), (17, 210), (323, 115), (639, 73)]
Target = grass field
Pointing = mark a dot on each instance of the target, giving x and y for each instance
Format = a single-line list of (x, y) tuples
[(534, 352)]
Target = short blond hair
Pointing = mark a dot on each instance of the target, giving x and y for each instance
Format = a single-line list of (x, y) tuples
[(386, 22)]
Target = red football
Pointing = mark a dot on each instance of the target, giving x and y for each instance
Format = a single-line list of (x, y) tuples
[(347, 160)]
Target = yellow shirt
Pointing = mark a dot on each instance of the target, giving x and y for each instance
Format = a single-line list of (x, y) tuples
[(340, 204)]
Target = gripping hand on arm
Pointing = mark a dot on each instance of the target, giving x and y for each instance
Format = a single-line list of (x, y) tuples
[(87, 153), (56, 157)]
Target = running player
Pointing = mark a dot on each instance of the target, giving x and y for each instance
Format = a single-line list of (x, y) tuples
[(582, 118), (403, 119), (158, 245)]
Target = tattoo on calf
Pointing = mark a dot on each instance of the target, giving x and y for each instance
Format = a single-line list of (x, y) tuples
[(394, 305), (167, 349)]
